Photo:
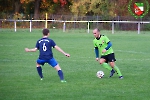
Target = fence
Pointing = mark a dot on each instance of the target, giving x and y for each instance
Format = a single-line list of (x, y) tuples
[(64, 25)]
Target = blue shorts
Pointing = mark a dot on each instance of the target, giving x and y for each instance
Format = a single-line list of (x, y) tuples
[(51, 62)]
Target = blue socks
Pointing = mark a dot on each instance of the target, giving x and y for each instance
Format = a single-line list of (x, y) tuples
[(60, 73), (39, 69)]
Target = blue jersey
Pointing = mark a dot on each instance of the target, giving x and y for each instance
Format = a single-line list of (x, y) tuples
[(44, 45)]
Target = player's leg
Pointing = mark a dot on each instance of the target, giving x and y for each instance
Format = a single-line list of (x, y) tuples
[(103, 63), (39, 68), (111, 59), (112, 64), (60, 73), (107, 66), (55, 65)]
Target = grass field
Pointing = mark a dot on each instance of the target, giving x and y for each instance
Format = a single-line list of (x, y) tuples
[(19, 79)]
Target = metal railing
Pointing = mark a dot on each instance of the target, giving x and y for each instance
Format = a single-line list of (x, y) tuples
[(64, 24)]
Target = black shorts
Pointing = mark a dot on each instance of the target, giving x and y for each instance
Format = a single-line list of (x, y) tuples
[(109, 57)]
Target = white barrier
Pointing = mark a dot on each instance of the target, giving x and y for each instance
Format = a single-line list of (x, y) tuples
[(88, 30)]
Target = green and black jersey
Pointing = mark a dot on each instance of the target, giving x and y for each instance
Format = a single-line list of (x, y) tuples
[(101, 43)]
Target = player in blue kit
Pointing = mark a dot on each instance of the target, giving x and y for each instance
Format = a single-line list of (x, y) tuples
[(45, 45)]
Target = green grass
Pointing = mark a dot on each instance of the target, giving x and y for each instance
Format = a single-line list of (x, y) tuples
[(19, 79)]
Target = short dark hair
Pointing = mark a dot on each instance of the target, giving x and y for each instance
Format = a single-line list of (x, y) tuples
[(98, 29), (45, 31)]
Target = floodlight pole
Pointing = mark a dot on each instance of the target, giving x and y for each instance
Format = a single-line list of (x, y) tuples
[(46, 21)]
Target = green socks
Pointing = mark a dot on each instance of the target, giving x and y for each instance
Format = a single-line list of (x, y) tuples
[(117, 70), (105, 65)]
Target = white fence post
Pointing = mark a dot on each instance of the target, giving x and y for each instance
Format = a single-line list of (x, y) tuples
[(64, 26), (112, 27), (30, 25), (15, 25), (88, 27), (138, 27)]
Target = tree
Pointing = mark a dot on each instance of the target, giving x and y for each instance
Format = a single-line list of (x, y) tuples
[(121, 7), (31, 6), (100, 7), (36, 9), (6, 6), (17, 5), (41, 6), (94, 7)]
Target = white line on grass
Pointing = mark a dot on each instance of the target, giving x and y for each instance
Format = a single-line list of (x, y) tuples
[(134, 59), (6, 45), (132, 52), (76, 57), (74, 60)]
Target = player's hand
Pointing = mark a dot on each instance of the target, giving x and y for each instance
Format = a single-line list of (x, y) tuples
[(103, 51), (97, 59), (26, 49), (68, 55)]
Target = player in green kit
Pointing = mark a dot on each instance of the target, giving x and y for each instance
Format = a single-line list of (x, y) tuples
[(103, 46)]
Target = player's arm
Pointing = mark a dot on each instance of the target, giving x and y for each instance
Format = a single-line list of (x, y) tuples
[(60, 50), (109, 44), (31, 50), (96, 52)]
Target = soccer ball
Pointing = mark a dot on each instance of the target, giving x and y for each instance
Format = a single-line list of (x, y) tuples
[(100, 74)]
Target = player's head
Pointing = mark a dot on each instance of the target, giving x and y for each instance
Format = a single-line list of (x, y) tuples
[(45, 31), (96, 32)]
